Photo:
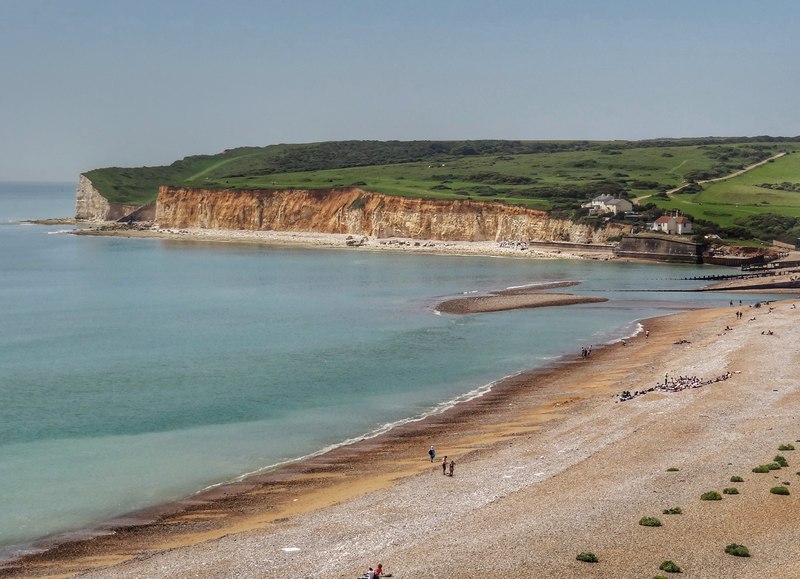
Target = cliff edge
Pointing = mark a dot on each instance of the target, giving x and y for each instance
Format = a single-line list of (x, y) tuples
[(90, 205), (359, 212)]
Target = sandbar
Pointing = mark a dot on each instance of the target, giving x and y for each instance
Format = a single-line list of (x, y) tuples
[(511, 299)]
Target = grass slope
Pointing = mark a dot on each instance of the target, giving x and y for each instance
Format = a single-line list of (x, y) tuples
[(763, 203), (553, 175)]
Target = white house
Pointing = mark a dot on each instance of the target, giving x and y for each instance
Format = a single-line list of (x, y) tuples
[(673, 224), (608, 204)]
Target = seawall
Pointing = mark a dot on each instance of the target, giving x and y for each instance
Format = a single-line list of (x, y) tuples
[(657, 247)]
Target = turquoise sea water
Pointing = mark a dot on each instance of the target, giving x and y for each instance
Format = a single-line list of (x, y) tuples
[(137, 371)]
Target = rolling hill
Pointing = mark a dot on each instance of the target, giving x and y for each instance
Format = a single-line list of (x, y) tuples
[(556, 176)]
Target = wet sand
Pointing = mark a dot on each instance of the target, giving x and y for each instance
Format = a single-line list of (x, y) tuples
[(548, 464)]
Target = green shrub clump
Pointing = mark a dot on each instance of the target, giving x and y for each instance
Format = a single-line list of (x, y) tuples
[(649, 522), (673, 469), (587, 557), (673, 511), (711, 496), (786, 447), (737, 550), (670, 567), (730, 491), (737, 479), (774, 466), (779, 491), (761, 468), (780, 460)]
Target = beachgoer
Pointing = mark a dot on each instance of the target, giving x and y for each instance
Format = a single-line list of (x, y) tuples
[(452, 467), (646, 334), (379, 570), (444, 465), (370, 574), (432, 453)]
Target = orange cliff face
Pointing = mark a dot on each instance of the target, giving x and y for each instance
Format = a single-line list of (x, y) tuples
[(358, 212)]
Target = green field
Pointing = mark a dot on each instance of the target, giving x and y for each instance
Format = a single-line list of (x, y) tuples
[(557, 176), (742, 196), (763, 203)]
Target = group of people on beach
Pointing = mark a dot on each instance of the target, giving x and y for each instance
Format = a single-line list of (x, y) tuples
[(586, 352), (521, 245), (673, 385), (375, 573), (445, 465)]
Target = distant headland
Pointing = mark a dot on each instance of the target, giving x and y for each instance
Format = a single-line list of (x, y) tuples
[(732, 191)]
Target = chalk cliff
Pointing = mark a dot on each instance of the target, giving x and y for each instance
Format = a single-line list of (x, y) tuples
[(92, 206), (360, 212)]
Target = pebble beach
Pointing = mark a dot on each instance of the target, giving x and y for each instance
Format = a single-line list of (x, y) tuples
[(547, 465)]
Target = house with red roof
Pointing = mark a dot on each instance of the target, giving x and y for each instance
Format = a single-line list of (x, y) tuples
[(673, 224)]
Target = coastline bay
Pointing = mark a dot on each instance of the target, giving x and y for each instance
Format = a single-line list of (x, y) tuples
[(139, 371)]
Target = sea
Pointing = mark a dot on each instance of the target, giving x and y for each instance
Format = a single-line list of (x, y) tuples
[(135, 372)]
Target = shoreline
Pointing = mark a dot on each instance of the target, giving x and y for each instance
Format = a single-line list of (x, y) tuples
[(264, 507), (323, 483), (107, 541), (353, 241)]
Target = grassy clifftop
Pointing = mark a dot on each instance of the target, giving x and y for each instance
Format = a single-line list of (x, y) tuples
[(556, 176)]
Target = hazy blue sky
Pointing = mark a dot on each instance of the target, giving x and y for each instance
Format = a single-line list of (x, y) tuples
[(94, 83)]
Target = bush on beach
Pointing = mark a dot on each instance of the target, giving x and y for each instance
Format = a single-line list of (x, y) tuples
[(761, 468), (737, 550), (786, 447), (673, 511), (711, 496), (649, 522), (737, 479), (730, 491), (779, 490), (587, 557), (670, 567)]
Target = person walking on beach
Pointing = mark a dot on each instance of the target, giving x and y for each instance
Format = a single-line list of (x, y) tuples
[(452, 467), (444, 465), (432, 453)]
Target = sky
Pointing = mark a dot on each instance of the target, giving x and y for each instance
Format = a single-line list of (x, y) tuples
[(96, 83)]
